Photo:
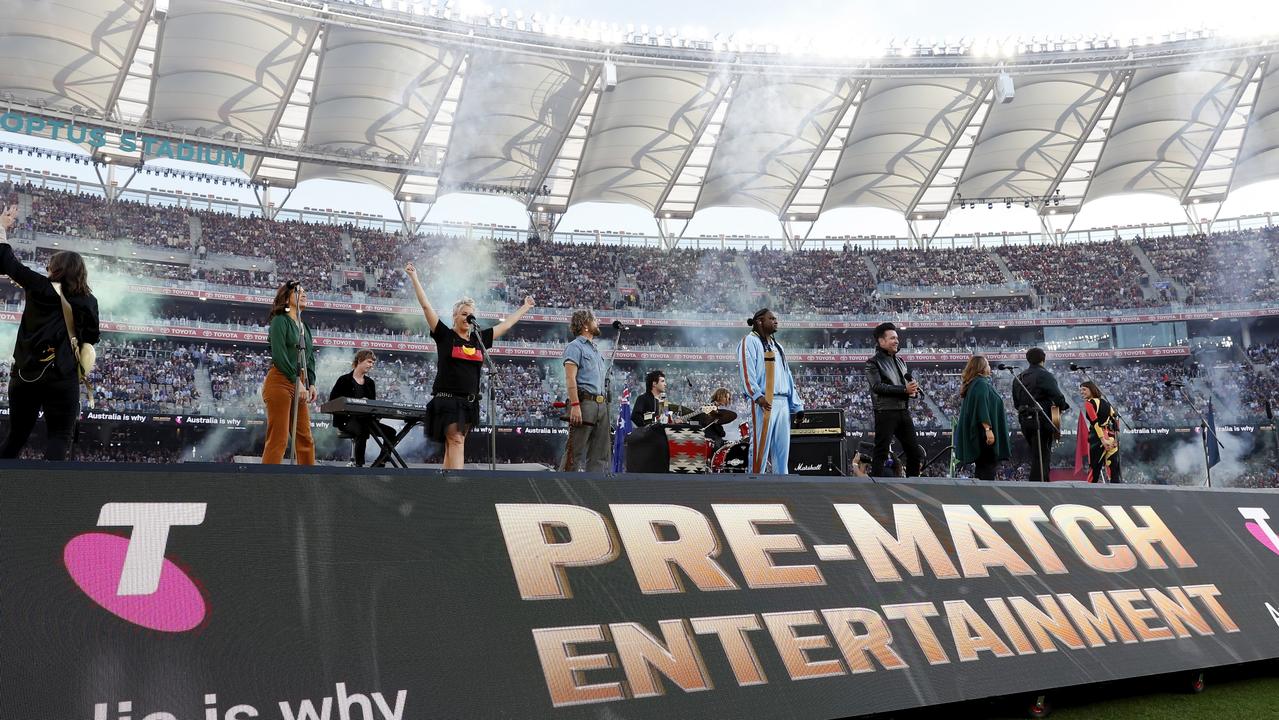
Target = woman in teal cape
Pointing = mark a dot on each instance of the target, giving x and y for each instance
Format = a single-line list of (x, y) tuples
[(981, 435)]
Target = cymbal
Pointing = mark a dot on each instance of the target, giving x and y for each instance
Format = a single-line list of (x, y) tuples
[(721, 416)]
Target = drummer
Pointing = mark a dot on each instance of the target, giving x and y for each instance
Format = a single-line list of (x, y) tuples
[(715, 431), (651, 406)]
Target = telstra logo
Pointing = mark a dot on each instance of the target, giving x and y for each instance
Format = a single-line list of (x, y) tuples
[(130, 577), (1259, 528)]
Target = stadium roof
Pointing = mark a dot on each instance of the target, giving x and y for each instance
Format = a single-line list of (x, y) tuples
[(424, 104)]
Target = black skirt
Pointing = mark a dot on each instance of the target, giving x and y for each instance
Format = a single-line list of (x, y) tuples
[(442, 412)]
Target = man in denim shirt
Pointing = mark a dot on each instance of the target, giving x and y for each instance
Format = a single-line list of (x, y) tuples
[(589, 447)]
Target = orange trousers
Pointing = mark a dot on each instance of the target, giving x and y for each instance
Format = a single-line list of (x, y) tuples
[(278, 394)]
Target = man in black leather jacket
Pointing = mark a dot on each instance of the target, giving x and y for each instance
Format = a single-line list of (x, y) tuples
[(1041, 389), (891, 390)]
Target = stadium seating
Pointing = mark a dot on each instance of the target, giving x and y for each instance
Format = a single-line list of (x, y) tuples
[(1075, 276)]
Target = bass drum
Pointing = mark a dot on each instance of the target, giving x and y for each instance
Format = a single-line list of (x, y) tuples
[(734, 457)]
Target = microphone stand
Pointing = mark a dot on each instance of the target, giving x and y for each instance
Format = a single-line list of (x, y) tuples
[(608, 379), (608, 371), (927, 462), (1203, 423), (1039, 434), (491, 401), (299, 393)]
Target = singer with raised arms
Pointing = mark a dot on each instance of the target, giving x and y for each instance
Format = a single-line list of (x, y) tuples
[(768, 385), (455, 404)]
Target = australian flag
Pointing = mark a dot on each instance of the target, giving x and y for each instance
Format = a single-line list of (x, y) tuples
[(623, 428)]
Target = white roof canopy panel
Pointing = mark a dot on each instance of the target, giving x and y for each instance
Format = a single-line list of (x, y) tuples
[(1164, 127), (774, 128), (1025, 143), (641, 132), (900, 134), (513, 111), (377, 92), (312, 171), (1259, 158), (68, 52), (224, 67)]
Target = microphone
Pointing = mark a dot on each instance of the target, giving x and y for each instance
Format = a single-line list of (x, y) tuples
[(1002, 366), (908, 377), (619, 325), (1076, 368), (470, 320)]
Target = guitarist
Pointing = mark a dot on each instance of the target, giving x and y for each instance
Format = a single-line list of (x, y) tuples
[(651, 406), (53, 352), (1041, 396)]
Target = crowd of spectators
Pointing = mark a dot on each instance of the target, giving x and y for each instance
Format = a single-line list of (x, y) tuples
[(1224, 267), (822, 282), (957, 306), (1237, 266), (932, 268), (91, 216), (1081, 276), (1258, 382), (149, 376), (307, 252)]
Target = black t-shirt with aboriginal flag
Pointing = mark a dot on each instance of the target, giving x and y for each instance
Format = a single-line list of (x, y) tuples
[(460, 360)]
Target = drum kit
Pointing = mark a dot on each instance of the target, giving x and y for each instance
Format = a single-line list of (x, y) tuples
[(687, 448)]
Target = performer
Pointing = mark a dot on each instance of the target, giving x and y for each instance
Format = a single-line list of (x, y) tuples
[(1103, 434), (770, 388), (588, 437), (47, 365), (890, 392), (651, 406), (1041, 396), (981, 434), (455, 404), (357, 384), (289, 389), (720, 398)]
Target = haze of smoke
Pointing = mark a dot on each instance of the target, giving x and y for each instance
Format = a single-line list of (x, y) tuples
[(8, 338), (115, 301), (214, 446)]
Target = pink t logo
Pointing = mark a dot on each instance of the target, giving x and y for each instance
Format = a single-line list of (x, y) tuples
[(1259, 528), (131, 578)]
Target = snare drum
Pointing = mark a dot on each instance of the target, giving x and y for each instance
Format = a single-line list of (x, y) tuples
[(732, 458)]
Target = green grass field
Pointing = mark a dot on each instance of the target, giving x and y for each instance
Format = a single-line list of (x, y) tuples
[(1245, 700), (1246, 692), (1250, 699)]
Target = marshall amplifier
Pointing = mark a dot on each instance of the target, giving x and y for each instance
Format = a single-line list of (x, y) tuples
[(817, 443)]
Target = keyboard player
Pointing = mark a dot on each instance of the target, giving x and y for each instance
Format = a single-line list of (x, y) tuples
[(357, 384)]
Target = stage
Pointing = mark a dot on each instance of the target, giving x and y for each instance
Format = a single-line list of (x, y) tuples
[(189, 592)]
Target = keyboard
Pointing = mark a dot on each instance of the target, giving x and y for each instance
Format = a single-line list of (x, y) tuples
[(375, 408)]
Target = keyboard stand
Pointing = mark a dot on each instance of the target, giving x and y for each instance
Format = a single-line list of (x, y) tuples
[(387, 443)]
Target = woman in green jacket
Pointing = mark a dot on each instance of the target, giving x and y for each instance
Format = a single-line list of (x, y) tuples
[(981, 435), (289, 388)]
